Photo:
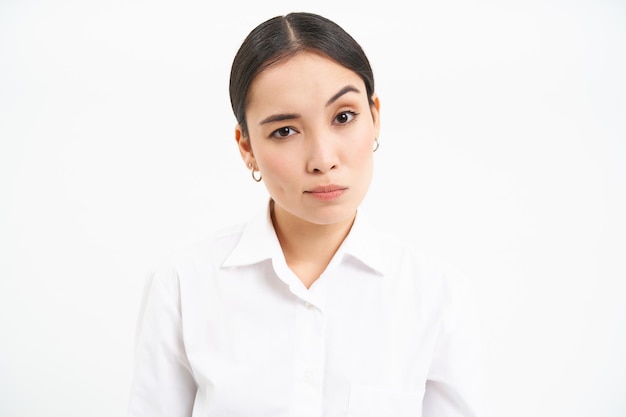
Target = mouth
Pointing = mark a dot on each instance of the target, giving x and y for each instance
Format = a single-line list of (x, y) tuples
[(327, 192)]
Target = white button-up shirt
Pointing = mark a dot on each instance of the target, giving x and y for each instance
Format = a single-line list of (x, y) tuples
[(229, 330)]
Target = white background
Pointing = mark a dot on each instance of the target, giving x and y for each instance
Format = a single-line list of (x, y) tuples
[(503, 151)]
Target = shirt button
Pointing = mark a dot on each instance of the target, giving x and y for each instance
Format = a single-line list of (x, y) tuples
[(308, 376), (308, 305)]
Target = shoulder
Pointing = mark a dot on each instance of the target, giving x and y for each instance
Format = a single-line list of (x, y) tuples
[(395, 255), (399, 250), (439, 287), (201, 255), (214, 247), (403, 260)]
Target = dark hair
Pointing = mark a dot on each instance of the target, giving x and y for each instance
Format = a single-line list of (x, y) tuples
[(282, 37)]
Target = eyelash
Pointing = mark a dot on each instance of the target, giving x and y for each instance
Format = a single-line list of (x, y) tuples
[(276, 134)]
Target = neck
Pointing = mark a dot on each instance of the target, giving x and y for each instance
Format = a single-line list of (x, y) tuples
[(308, 248)]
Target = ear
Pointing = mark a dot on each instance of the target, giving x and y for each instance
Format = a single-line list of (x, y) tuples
[(245, 148), (375, 109)]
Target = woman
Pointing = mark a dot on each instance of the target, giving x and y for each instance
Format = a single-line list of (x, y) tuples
[(306, 310)]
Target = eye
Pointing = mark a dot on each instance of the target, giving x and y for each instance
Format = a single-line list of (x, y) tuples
[(283, 132), (345, 117)]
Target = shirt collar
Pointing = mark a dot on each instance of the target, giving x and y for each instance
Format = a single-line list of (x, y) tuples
[(366, 244), (258, 242)]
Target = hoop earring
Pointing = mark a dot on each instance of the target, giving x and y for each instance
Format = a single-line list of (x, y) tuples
[(377, 144), (254, 177)]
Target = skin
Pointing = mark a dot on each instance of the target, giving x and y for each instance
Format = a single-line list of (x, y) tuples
[(311, 125)]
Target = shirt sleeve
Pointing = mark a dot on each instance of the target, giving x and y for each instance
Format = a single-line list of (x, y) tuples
[(456, 385), (163, 384)]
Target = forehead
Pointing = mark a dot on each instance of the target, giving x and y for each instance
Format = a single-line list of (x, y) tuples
[(304, 77)]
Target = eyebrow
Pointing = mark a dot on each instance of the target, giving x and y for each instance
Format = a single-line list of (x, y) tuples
[(347, 89), (279, 118), (290, 116)]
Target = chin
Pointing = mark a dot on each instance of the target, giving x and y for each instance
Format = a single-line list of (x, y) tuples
[(333, 216)]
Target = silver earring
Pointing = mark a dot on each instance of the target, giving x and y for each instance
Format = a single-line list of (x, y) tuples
[(252, 171), (377, 144)]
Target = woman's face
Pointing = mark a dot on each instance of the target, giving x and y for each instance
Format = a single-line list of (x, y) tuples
[(311, 135)]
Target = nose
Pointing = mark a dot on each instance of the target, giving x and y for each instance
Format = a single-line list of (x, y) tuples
[(322, 153)]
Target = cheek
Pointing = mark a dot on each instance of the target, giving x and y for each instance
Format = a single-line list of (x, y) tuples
[(362, 157), (367, 135), (365, 147), (276, 167)]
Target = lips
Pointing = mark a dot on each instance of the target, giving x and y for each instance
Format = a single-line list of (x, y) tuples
[(326, 189), (327, 192)]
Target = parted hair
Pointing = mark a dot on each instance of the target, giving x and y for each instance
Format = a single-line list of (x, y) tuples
[(280, 38)]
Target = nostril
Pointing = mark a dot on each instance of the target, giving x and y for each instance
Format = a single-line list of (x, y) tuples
[(318, 170)]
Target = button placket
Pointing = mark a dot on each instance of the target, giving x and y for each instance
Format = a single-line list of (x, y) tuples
[(309, 359)]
